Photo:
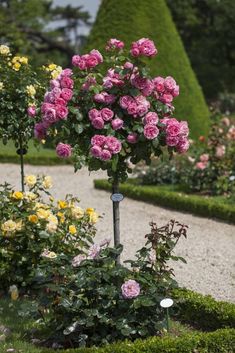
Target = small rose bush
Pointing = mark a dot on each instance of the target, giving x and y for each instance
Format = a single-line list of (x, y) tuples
[(21, 91), (108, 111), (88, 299), (34, 226)]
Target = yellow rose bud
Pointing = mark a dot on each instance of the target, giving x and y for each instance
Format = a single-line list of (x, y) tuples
[(47, 182), (13, 290), (72, 229), (62, 204), (33, 218), (18, 195), (30, 180), (90, 211), (94, 217), (4, 50), (31, 91)]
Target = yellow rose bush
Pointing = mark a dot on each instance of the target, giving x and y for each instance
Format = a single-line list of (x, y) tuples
[(33, 226)]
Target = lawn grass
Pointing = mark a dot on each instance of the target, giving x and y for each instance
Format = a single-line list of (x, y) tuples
[(174, 198), (35, 156)]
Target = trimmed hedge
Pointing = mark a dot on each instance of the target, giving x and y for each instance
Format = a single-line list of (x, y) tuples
[(215, 342), (34, 159), (204, 312), (130, 20), (175, 200)]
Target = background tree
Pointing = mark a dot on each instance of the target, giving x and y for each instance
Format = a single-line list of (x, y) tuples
[(207, 28), (38, 29)]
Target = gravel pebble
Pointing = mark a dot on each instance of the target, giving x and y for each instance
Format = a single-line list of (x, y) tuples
[(209, 248)]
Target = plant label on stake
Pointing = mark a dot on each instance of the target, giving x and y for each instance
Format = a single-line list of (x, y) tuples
[(117, 197), (167, 303)]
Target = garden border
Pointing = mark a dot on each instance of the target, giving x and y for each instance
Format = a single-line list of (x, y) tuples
[(194, 204)]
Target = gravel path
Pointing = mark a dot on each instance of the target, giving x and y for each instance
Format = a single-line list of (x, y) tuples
[(209, 249)]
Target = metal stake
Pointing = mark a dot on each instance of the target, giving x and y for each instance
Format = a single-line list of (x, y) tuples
[(116, 218)]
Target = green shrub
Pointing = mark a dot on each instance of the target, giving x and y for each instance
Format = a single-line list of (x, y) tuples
[(204, 312), (195, 204), (130, 20)]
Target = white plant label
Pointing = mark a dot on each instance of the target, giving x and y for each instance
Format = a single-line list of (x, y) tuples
[(166, 303)]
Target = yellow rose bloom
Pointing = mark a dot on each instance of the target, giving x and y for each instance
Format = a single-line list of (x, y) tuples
[(4, 50), (28, 195), (42, 213), (30, 180), (23, 60), (93, 217), (13, 290), (47, 182), (61, 216), (89, 210), (1, 86), (52, 67), (77, 212), (51, 227), (31, 91), (53, 219), (33, 218), (49, 254), (56, 73), (72, 229), (16, 66), (62, 204), (19, 225), (18, 195), (9, 226), (41, 205)]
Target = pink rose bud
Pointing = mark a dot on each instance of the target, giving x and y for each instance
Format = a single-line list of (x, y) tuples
[(117, 124), (96, 151), (63, 150), (132, 138), (128, 65), (31, 111)]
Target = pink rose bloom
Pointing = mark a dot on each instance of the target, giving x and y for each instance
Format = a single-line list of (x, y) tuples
[(125, 101), (108, 83), (106, 114), (183, 145), (114, 43), (173, 128), (110, 98), (49, 97), (98, 123), (66, 72), (90, 81), (54, 83), (132, 109), (97, 55), (96, 151), (56, 92), (141, 100), (151, 131), (135, 51), (184, 130), (99, 97), (130, 289), (176, 91), (172, 141), (225, 121), (91, 61), (98, 140), (141, 110), (220, 151), (31, 111), (147, 47), (169, 83), (117, 124), (105, 155), (148, 89), (63, 150), (60, 101), (94, 251), (159, 84), (138, 81), (49, 117), (82, 64), (231, 133), (132, 138), (39, 131), (151, 118), (45, 107), (201, 165), (93, 114), (76, 60), (61, 111), (166, 98), (66, 82), (204, 158), (113, 144), (77, 260), (66, 94), (128, 65)]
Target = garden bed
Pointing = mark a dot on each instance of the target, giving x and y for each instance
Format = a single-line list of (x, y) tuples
[(166, 196), (202, 312)]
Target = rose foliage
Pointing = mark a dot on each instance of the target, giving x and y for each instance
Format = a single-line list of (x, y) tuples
[(88, 299), (108, 111)]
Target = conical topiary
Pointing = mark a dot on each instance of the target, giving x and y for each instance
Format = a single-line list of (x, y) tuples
[(129, 20)]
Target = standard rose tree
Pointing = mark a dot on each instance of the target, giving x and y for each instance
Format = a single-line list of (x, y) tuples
[(109, 111)]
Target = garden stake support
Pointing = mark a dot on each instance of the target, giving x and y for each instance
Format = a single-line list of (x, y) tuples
[(166, 304), (116, 198), (21, 152)]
